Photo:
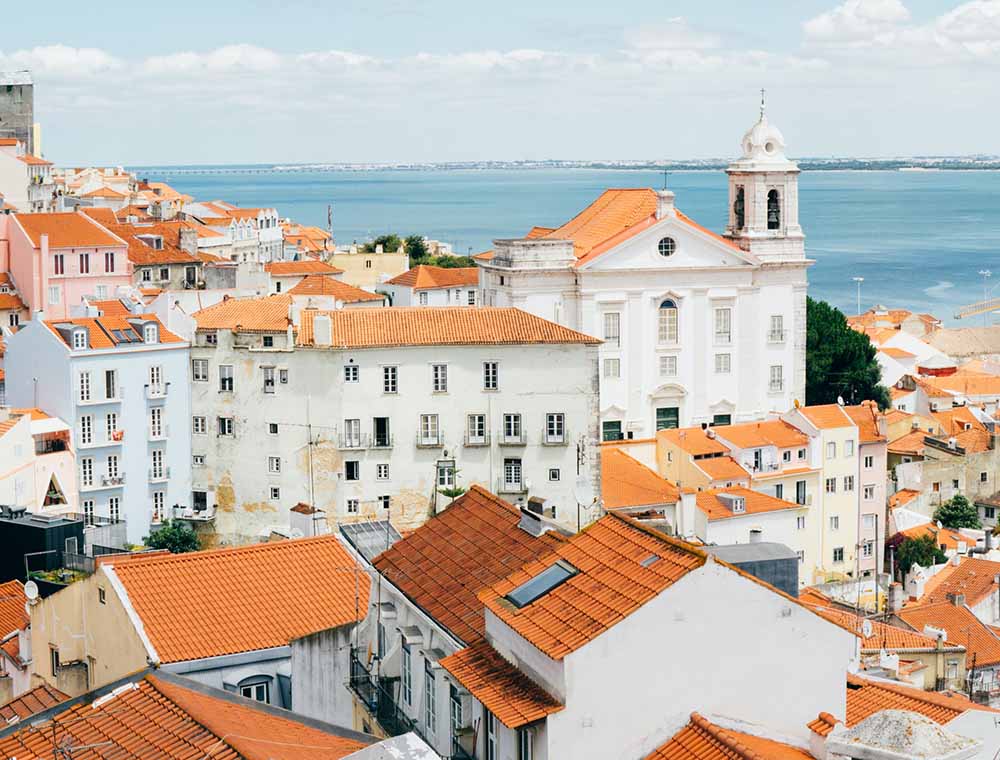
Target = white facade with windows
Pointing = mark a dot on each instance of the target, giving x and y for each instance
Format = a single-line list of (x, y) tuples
[(354, 430), (696, 327), (127, 402)]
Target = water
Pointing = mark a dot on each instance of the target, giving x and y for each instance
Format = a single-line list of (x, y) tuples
[(918, 238)]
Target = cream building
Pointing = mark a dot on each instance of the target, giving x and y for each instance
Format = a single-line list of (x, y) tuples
[(697, 327), (368, 270)]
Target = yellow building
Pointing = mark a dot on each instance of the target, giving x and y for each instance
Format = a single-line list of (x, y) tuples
[(368, 270)]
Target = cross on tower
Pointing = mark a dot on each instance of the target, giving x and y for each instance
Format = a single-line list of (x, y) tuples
[(665, 173), (762, 93)]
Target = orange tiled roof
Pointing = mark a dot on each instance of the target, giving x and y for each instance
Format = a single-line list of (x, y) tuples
[(973, 577), (614, 212), (188, 602), (897, 393), (884, 636), (722, 468), (101, 215), (967, 384), (67, 230), (157, 717), (300, 267), (865, 698), (865, 415), (756, 502), (438, 326), (825, 416), (321, 285), (973, 441), (945, 537), (611, 583), (34, 160), (484, 256), (101, 330), (142, 253), (703, 740), (911, 443), (112, 308), (103, 192), (11, 302), (443, 564), (267, 314), (959, 624), (693, 440), (30, 703), (626, 482), (955, 420), (502, 688), (897, 353), (750, 435), (12, 601), (426, 277), (902, 497)]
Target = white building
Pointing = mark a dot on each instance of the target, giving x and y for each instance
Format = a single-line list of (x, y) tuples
[(37, 462), (26, 180), (425, 285), (122, 384), (697, 327), (372, 412)]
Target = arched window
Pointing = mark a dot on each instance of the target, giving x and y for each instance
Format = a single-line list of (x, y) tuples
[(255, 687), (773, 210), (668, 322), (739, 208)]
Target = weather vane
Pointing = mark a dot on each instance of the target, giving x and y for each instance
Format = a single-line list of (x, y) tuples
[(762, 93)]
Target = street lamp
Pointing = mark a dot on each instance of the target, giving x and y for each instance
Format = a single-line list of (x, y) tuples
[(859, 280)]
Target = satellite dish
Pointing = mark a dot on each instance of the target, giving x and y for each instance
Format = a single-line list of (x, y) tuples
[(866, 628), (31, 590), (582, 491), (840, 400), (939, 525), (338, 304)]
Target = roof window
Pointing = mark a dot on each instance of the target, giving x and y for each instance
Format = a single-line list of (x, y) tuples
[(541, 584), (650, 560)]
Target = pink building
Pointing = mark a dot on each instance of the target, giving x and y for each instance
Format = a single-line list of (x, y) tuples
[(56, 259)]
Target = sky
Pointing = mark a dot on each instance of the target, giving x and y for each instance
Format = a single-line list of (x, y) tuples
[(449, 80)]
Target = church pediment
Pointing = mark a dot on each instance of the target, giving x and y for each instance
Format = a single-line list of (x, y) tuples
[(669, 390), (674, 242)]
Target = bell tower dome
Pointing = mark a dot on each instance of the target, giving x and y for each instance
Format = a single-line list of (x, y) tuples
[(764, 195)]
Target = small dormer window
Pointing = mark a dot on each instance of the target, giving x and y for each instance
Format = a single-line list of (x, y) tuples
[(80, 338), (149, 334), (739, 505)]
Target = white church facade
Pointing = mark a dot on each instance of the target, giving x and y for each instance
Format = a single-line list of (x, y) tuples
[(697, 327)]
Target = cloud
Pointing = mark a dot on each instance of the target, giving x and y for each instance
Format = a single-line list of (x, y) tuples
[(231, 58), (61, 61), (857, 21)]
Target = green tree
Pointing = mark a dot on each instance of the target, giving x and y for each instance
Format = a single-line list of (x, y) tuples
[(175, 536), (454, 262), (417, 249), (958, 512), (389, 243), (839, 361), (921, 551)]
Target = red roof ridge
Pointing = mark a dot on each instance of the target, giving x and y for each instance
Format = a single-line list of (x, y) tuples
[(725, 738)]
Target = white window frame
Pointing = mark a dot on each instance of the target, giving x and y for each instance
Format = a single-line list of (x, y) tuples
[(439, 378), (491, 376), (613, 328), (723, 364), (352, 373), (274, 465), (381, 471), (199, 425), (724, 325), (199, 370), (390, 379), (668, 366), (613, 367)]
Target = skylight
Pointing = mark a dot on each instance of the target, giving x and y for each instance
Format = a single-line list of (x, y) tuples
[(649, 560), (541, 584)]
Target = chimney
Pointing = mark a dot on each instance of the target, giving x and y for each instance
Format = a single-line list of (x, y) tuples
[(665, 204), (935, 633), (957, 599), (378, 248), (756, 534), (189, 240), (322, 330), (896, 597), (685, 514), (533, 523), (952, 444)]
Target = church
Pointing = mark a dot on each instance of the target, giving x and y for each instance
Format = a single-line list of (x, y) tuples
[(696, 327)]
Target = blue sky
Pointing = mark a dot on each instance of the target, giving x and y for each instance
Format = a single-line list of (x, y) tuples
[(300, 81)]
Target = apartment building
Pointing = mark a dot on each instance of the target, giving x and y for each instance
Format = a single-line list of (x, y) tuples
[(121, 382), (285, 275), (697, 327), (37, 462), (57, 259), (26, 180), (370, 412), (13, 310), (425, 285)]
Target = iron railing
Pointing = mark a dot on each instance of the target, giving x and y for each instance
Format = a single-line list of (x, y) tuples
[(378, 694)]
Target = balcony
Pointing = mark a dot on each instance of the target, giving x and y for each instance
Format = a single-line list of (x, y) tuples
[(513, 439), (776, 336), (191, 514), (509, 486), (378, 695), (105, 481), (114, 440), (159, 474), (380, 441), (775, 387), (50, 446), (156, 391), (159, 432), (555, 439), (427, 440), (476, 439), (352, 442), (96, 400)]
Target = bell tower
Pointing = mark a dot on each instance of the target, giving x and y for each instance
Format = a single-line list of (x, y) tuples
[(764, 195)]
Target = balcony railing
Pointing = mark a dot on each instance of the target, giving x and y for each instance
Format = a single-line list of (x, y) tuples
[(352, 442), (776, 387), (157, 391), (159, 474), (159, 433), (512, 439), (776, 336), (480, 439), (50, 446), (110, 481), (427, 440), (382, 441), (379, 696), (510, 486), (554, 439)]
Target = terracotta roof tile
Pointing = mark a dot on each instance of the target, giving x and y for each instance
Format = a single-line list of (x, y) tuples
[(960, 625), (721, 468), (438, 326), (911, 443), (973, 577), (287, 589), (67, 230), (896, 353), (750, 435), (426, 277), (113, 308), (971, 384), (866, 415), (31, 702), (321, 285), (693, 440), (300, 267), (703, 740), (626, 482), (826, 416), (957, 420), (946, 537), (902, 497), (142, 253), (11, 302), (611, 582), (884, 636), (443, 564), (12, 601), (865, 698), (614, 212), (101, 330), (754, 502), (505, 691), (268, 314)]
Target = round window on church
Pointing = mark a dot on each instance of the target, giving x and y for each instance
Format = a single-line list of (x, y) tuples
[(769, 147), (667, 246)]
